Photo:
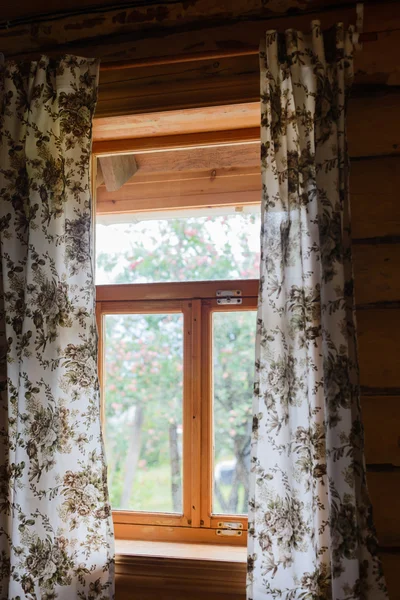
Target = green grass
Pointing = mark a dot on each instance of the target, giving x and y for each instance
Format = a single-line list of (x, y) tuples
[(151, 491)]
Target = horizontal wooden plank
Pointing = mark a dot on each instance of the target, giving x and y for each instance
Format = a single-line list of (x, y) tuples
[(374, 188), (191, 120), (381, 417), (123, 207), (172, 578), (382, 136), (379, 347), (162, 11), (151, 578), (376, 272), (136, 30), (129, 576), (384, 489), (223, 80), (198, 26), (246, 154), (180, 189)]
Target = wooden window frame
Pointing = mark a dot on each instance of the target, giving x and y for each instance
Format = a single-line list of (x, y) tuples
[(197, 523), (197, 302)]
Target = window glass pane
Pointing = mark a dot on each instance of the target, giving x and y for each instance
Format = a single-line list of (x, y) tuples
[(233, 375), (143, 404), (185, 246)]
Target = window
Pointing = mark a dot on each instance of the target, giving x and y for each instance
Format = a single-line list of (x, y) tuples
[(176, 365)]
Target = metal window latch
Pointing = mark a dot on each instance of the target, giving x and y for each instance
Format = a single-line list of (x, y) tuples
[(229, 297), (230, 529)]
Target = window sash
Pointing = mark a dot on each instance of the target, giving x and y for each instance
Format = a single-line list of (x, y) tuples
[(197, 302)]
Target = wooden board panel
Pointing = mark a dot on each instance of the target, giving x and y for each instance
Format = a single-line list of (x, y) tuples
[(128, 579), (191, 120), (382, 135), (25, 8), (378, 339), (381, 417), (384, 488), (223, 80), (177, 578), (192, 159), (186, 28), (376, 272), (391, 567), (143, 23), (375, 197), (213, 190), (205, 82)]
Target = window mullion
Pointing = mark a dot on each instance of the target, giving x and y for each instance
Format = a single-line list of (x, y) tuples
[(206, 411), (195, 415)]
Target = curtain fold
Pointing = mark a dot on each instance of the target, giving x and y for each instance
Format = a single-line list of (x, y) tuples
[(56, 536), (311, 534)]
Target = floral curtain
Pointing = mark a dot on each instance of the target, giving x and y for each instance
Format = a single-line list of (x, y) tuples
[(311, 534), (56, 538)]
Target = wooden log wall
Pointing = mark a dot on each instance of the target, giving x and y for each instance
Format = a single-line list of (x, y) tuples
[(179, 55)]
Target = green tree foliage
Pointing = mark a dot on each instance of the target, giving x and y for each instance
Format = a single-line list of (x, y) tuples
[(144, 363)]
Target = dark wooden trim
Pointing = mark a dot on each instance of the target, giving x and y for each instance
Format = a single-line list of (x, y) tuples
[(389, 549), (385, 239), (379, 391), (390, 305), (381, 468)]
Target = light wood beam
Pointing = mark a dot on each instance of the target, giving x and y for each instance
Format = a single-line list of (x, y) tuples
[(116, 170)]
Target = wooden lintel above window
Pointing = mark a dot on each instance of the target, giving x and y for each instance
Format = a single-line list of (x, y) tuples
[(178, 122)]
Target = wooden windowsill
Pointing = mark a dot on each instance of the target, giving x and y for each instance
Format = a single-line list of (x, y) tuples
[(181, 551)]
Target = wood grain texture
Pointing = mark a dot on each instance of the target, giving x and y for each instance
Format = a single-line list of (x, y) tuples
[(375, 195), (25, 9), (380, 137), (384, 489), (391, 567), (190, 120), (116, 170), (381, 417), (378, 340), (207, 82), (171, 579), (151, 578), (382, 134), (376, 272), (178, 31), (135, 31)]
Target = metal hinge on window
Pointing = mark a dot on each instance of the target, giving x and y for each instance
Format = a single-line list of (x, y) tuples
[(229, 528), (229, 297)]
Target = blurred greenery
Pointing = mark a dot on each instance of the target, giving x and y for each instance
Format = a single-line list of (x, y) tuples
[(144, 371)]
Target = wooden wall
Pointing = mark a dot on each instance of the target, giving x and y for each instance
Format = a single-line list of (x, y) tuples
[(178, 53)]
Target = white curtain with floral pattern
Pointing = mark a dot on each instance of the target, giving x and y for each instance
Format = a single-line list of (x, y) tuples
[(311, 534), (56, 538)]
